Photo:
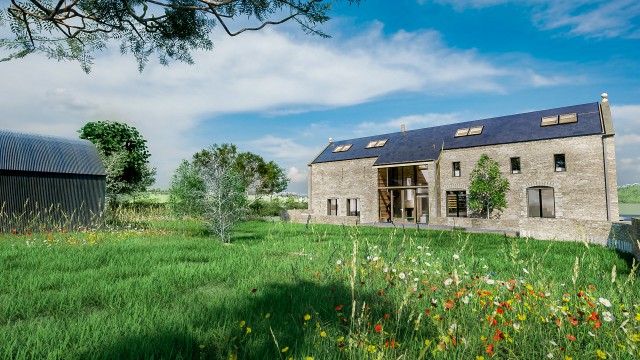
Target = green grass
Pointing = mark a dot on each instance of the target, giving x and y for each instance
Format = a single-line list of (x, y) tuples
[(172, 292)]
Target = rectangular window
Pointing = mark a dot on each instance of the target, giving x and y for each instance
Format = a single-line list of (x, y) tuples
[(568, 118), (549, 120), (476, 130), (402, 176), (515, 165), (376, 143), (456, 169), (541, 202), (353, 207), (462, 132), (341, 148), (456, 203), (559, 162), (332, 206)]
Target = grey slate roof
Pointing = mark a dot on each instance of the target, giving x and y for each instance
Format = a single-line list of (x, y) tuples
[(426, 144), (38, 153)]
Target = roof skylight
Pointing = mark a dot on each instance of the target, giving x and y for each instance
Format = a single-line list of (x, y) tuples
[(476, 130), (342, 148), (376, 143), (559, 119)]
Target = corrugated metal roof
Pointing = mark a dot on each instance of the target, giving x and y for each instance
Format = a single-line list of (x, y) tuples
[(425, 144), (38, 153)]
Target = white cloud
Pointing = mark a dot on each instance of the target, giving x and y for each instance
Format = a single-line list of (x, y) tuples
[(410, 121), (589, 18), (267, 71), (297, 176)]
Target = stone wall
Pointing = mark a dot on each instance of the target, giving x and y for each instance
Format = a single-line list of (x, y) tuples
[(342, 180), (304, 216), (580, 192)]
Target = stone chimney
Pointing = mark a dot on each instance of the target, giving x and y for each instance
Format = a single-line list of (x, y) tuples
[(403, 129), (607, 120)]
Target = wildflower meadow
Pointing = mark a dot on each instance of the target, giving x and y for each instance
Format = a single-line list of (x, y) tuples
[(166, 290)]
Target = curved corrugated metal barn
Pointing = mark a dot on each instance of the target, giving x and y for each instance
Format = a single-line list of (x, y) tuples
[(49, 182)]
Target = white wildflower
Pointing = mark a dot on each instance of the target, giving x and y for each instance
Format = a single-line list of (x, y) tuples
[(605, 302), (550, 355), (448, 281), (553, 343), (607, 316), (490, 281), (428, 254), (375, 258), (525, 270), (339, 262), (465, 299), (419, 247), (402, 276), (456, 256), (516, 326), (592, 334)]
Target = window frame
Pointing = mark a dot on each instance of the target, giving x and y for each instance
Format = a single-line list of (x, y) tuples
[(357, 202), (538, 193), (459, 200), (331, 202), (513, 168), (459, 169), (556, 159)]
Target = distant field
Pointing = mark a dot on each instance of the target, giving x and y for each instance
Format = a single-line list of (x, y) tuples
[(629, 209)]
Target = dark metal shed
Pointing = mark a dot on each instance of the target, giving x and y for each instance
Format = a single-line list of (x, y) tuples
[(49, 182)]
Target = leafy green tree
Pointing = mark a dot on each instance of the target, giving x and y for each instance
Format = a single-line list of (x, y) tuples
[(225, 198), (258, 176), (487, 188), (186, 192), (73, 30), (124, 154)]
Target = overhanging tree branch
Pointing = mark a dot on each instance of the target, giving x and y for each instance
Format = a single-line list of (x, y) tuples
[(172, 28)]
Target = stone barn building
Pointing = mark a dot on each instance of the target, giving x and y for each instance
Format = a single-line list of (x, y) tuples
[(49, 181), (560, 164)]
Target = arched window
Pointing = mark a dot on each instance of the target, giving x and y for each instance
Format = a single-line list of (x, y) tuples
[(541, 202)]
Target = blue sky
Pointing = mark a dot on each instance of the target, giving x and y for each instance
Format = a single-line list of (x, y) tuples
[(282, 94)]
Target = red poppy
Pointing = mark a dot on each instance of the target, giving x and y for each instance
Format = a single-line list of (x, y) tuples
[(387, 316), (378, 328), (571, 337), (433, 288), (593, 316), (498, 335), (573, 320), (597, 325), (500, 311), (449, 304), (492, 321), (490, 349), (339, 307), (558, 321)]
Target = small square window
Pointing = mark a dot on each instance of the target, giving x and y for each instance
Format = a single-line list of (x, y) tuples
[(462, 132), (549, 120), (371, 144), (560, 163), (456, 169), (381, 143), (337, 149), (515, 165), (346, 147)]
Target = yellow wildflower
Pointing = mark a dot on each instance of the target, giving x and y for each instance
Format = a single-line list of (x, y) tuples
[(267, 316), (285, 349), (371, 348), (307, 317), (201, 346), (340, 338), (233, 356), (427, 342), (248, 330), (567, 357), (637, 316), (601, 354), (522, 317), (308, 358), (479, 357), (635, 337), (323, 334), (242, 323)]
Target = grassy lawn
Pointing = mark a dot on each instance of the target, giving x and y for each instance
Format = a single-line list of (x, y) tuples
[(283, 291)]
